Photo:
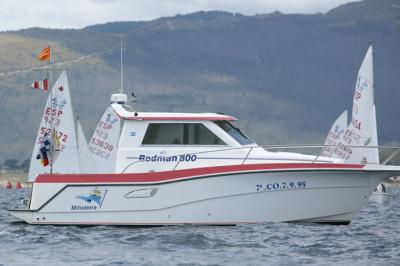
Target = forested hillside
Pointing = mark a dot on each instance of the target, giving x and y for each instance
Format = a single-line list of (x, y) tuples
[(286, 77)]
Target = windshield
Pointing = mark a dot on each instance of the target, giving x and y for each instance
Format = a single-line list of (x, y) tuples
[(127, 108), (234, 132), (180, 134)]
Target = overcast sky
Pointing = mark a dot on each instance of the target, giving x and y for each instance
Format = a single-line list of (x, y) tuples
[(18, 14)]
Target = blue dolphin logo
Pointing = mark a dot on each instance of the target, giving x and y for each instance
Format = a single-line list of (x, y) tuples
[(95, 196)]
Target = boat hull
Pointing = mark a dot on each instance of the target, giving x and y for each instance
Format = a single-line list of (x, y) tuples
[(318, 195)]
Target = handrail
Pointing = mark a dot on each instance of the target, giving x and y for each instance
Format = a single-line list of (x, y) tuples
[(391, 156), (247, 155), (291, 146)]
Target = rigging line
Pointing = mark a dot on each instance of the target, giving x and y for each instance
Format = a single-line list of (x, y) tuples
[(72, 60)]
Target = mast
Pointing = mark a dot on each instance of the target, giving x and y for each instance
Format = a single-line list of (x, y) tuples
[(51, 113), (121, 90), (372, 73), (77, 141), (120, 97), (48, 120)]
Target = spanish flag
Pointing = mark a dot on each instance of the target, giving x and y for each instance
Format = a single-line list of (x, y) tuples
[(45, 54), (44, 148)]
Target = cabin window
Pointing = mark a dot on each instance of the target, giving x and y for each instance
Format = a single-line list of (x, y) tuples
[(180, 134), (234, 132)]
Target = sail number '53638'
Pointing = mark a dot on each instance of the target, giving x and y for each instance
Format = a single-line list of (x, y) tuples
[(101, 144)]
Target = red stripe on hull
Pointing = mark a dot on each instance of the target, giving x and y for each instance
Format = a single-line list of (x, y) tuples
[(185, 173)]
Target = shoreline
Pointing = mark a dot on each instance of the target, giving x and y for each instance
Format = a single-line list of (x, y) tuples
[(14, 177)]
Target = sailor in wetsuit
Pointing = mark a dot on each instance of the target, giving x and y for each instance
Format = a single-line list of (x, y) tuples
[(381, 188)]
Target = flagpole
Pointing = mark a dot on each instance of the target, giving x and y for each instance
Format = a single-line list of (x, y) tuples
[(121, 90), (51, 112), (46, 54)]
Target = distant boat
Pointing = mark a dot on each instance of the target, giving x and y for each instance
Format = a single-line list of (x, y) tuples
[(380, 195)]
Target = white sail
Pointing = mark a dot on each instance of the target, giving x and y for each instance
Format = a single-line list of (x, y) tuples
[(86, 162), (104, 144), (57, 118), (362, 131), (374, 153), (334, 136)]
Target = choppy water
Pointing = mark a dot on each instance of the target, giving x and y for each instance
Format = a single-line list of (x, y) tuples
[(373, 238)]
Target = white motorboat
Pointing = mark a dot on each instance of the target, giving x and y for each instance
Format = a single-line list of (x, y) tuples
[(186, 168)]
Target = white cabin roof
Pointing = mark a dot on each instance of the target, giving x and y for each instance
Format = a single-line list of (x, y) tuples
[(126, 114)]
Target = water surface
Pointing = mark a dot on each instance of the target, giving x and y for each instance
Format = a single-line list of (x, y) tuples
[(373, 238)]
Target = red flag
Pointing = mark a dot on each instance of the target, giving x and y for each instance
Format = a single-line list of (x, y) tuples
[(45, 54), (41, 85)]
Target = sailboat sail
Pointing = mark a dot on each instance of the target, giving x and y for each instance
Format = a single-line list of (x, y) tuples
[(374, 152), (335, 134), (104, 142), (56, 138), (86, 162), (362, 131)]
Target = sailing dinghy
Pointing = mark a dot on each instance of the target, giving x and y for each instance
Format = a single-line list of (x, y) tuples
[(362, 131), (56, 141), (348, 144), (103, 145)]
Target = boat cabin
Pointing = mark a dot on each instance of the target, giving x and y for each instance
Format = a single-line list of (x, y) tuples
[(157, 141)]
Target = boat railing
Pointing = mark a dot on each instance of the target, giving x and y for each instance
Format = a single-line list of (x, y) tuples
[(388, 157)]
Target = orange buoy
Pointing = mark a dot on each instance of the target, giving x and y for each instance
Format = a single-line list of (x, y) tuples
[(8, 185), (18, 185)]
